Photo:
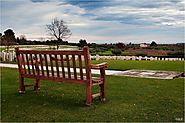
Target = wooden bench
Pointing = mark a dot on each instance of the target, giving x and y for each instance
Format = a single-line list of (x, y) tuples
[(60, 66)]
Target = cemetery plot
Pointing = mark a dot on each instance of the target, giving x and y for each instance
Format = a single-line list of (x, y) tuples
[(150, 74)]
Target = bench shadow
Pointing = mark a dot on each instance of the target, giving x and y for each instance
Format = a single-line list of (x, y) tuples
[(55, 101)]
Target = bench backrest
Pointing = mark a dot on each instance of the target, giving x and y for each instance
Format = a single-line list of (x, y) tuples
[(55, 65)]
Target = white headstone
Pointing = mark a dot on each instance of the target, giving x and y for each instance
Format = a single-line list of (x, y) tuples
[(97, 57), (10, 56), (4, 56), (140, 58)]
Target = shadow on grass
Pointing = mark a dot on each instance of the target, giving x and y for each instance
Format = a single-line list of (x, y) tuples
[(44, 99)]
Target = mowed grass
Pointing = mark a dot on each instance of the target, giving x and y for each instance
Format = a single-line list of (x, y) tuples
[(128, 99), (143, 65)]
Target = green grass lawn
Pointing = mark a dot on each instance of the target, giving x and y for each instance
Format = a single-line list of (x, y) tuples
[(109, 52), (146, 65), (128, 99)]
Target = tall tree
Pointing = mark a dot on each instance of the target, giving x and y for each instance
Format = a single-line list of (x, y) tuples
[(1, 38), (59, 30), (153, 43), (121, 46), (8, 38), (117, 52), (22, 39), (82, 43)]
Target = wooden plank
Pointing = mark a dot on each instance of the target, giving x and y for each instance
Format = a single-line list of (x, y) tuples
[(80, 67), (37, 65), (21, 72), (57, 67), (63, 52), (62, 65), (96, 95), (23, 63), (88, 77), (41, 64), (51, 64), (46, 64), (27, 61), (68, 66), (98, 66), (74, 66), (33, 69), (103, 86)]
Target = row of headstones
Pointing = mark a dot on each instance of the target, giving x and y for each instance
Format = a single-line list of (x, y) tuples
[(11, 56), (97, 57)]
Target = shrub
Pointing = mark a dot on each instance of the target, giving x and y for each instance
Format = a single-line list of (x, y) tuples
[(117, 52), (177, 54), (141, 53)]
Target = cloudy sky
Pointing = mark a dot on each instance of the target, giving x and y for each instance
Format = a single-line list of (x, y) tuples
[(100, 21)]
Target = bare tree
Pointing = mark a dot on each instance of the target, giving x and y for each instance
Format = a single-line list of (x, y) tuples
[(59, 30)]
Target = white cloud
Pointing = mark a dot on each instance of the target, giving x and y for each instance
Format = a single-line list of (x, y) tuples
[(159, 16), (30, 18)]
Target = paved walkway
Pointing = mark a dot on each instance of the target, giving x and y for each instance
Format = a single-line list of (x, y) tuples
[(131, 73)]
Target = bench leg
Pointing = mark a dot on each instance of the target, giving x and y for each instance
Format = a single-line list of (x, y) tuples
[(88, 95), (103, 86), (21, 85), (102, 90), (37, 85)]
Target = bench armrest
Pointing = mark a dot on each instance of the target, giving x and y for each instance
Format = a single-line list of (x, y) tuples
[(98, 66)]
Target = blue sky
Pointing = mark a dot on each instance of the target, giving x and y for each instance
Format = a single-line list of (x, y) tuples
[(100, 21)]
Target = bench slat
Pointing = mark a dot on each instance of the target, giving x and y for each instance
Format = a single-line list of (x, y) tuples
[(46, 62), (33, 69), (37, 65), (41, 64), (27, 61), (80, 66), (62, 52), (23, 63), (62, 65), (68, 66), (56, 63), (74, 66), (51, 64)]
